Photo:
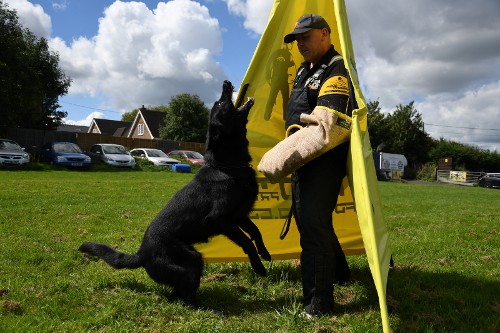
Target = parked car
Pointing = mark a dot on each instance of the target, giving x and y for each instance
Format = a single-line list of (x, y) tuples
[(111, 154), (12, 153), (66, 154), (158, 157), (192, 157), (489, 181)]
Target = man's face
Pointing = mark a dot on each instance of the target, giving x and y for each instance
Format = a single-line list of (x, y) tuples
[(311, 44)]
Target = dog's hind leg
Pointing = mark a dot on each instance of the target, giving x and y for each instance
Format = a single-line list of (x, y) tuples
[(181, 269), (187, 286), (234, 233), (250, 228)]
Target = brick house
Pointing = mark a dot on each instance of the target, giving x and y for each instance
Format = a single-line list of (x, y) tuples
[(146, 124)]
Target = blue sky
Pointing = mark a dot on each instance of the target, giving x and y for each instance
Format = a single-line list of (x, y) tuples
[(444, 55)]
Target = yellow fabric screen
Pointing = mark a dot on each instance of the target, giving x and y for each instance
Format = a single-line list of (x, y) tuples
[(358, 218), (269, 78)]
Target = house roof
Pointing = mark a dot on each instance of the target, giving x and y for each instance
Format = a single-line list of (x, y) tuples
[(112, 127), (153, 120), (72, 128), (121, 131)]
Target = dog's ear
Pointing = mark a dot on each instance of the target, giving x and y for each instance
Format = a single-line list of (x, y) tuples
[(227, 91)]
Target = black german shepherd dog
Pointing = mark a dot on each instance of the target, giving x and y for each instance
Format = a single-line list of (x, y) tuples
[(216, 201)]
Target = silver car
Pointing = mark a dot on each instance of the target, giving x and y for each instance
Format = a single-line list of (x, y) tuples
[(12, 153), (158, 157), (111, 154)]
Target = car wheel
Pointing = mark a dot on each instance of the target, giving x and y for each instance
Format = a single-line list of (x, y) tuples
[(487, 184)]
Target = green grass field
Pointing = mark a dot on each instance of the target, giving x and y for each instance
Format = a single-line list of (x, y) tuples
[(445, 240)]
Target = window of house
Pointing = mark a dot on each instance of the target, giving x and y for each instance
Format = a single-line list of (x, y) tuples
[(140, 129)]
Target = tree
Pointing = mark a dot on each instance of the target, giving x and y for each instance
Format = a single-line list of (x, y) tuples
[(30, 78), (377, 125), (407, 135), (466, 157), (130, 116), (186, 120)]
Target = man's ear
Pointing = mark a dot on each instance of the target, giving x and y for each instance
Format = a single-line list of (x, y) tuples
[(324, 33)]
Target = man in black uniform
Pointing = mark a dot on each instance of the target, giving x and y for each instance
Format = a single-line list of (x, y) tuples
[(322, 80)]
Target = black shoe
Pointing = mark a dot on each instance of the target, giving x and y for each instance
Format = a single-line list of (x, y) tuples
[(319, 306)]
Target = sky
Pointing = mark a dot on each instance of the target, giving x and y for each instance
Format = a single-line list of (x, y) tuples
[(443, 55)]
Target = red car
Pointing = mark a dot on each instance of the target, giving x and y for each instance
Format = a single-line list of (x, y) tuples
[(193, 157)]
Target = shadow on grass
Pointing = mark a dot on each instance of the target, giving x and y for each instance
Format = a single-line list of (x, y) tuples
[(237, 300), (234, 289), (357, 296), (418, 300), (26, 167), (442, 301)]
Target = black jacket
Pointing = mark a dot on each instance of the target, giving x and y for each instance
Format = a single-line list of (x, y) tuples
[(331, 88)]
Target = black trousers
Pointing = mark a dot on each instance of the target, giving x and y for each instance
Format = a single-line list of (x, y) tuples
[(315, 188)]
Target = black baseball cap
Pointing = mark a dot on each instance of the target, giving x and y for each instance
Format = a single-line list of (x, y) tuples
[(306, 23)]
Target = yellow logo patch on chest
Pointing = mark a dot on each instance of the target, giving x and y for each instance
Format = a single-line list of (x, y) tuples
[(335, 85)]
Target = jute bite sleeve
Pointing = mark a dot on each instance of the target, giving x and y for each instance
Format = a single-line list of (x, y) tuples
[(326, 128)]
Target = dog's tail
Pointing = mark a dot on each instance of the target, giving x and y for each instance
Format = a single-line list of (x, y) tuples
[(114, 258)]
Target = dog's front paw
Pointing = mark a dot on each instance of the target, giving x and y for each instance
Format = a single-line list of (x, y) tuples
[(262, 250), (265, 254), (259, 268)]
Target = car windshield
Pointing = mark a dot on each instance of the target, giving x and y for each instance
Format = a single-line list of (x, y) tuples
[(9, 145), (155, 153), (114, 150), (66, 148), (194, 154)]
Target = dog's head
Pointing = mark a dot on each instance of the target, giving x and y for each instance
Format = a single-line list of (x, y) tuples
[(226, 136)]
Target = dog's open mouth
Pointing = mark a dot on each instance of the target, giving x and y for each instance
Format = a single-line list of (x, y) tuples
[(227, 92), (227, 97)]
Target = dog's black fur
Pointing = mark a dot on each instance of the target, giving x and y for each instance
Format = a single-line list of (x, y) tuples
[(216, 201)]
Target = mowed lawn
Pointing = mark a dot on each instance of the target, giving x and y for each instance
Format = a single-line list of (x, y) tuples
[(445, 240)]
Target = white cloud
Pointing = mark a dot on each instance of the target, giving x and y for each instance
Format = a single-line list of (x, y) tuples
[(443, 55), (32, 17), (139, 55), (142, 56), (86, 121), (61, 5), (473, 116), (254, 12)]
